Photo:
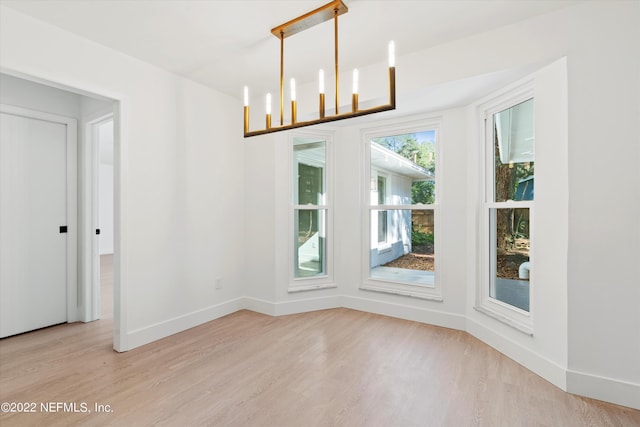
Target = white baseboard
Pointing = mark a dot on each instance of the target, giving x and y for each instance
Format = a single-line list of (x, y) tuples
[(308, 304), (169, 327), (292, 307), (406, 312), (259, 306), (400, 311), (160, 330), (547, 369), (603, 388)]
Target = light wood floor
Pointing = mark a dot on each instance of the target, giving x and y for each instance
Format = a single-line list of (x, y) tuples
[(328, 368)]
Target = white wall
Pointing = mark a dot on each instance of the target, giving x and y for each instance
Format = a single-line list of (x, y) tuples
[(260, 223), (604, 231), (180, 175)]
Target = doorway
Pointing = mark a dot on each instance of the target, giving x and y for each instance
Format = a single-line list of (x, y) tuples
[(86, 109), (99, 169)]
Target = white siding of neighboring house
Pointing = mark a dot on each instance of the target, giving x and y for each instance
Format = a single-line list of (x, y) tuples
[(399, 221)]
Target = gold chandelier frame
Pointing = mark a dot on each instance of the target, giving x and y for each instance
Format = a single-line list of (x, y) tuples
[(329, 11)]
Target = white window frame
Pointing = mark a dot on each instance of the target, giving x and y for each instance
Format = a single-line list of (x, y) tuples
[(510, 315), (431, 292), (298, 284)]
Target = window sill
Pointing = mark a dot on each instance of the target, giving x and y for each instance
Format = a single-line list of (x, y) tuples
[(410, 290), (507, 320), (310, 287)]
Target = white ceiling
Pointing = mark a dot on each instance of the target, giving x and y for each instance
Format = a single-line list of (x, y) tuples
[(226, 44)]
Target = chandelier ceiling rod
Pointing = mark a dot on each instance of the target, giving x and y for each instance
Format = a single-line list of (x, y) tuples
[(335, 49), (281, 78), (301, 23)]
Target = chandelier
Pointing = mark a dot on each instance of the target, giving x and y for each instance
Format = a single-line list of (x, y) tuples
[(301, 23)]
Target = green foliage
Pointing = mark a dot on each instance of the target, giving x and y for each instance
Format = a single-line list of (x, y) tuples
[(421, 153), (423, 192), (418, 238), (523, 170)]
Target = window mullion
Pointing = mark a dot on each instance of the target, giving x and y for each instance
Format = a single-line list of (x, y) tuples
[(310, 207), (402, 207), (509, 204)]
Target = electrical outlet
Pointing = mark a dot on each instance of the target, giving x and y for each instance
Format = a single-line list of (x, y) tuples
[(218, 282)]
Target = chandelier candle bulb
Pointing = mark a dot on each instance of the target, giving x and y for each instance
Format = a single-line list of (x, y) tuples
[(392, 54), (293, 101), (321, 81), (321, 90), (354, 97), (268, 110), (246, 118), (246, 109), (355, 80)]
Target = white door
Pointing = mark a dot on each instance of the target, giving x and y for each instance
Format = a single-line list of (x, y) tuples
[(37, 220)]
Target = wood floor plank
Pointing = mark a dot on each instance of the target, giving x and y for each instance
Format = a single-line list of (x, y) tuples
[(336, 367)]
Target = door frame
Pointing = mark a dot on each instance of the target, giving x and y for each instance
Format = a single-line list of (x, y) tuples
[(71, 196), (90, 214), (121, 113)]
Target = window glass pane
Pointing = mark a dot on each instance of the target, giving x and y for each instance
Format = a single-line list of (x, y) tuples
[(309, 165), (408, 161), (310, 242), (407, 254), (514, 149), (510, 264)]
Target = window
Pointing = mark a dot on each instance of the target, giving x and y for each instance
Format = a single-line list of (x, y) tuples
[(401, 211), (508, 209), (310, 212)]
